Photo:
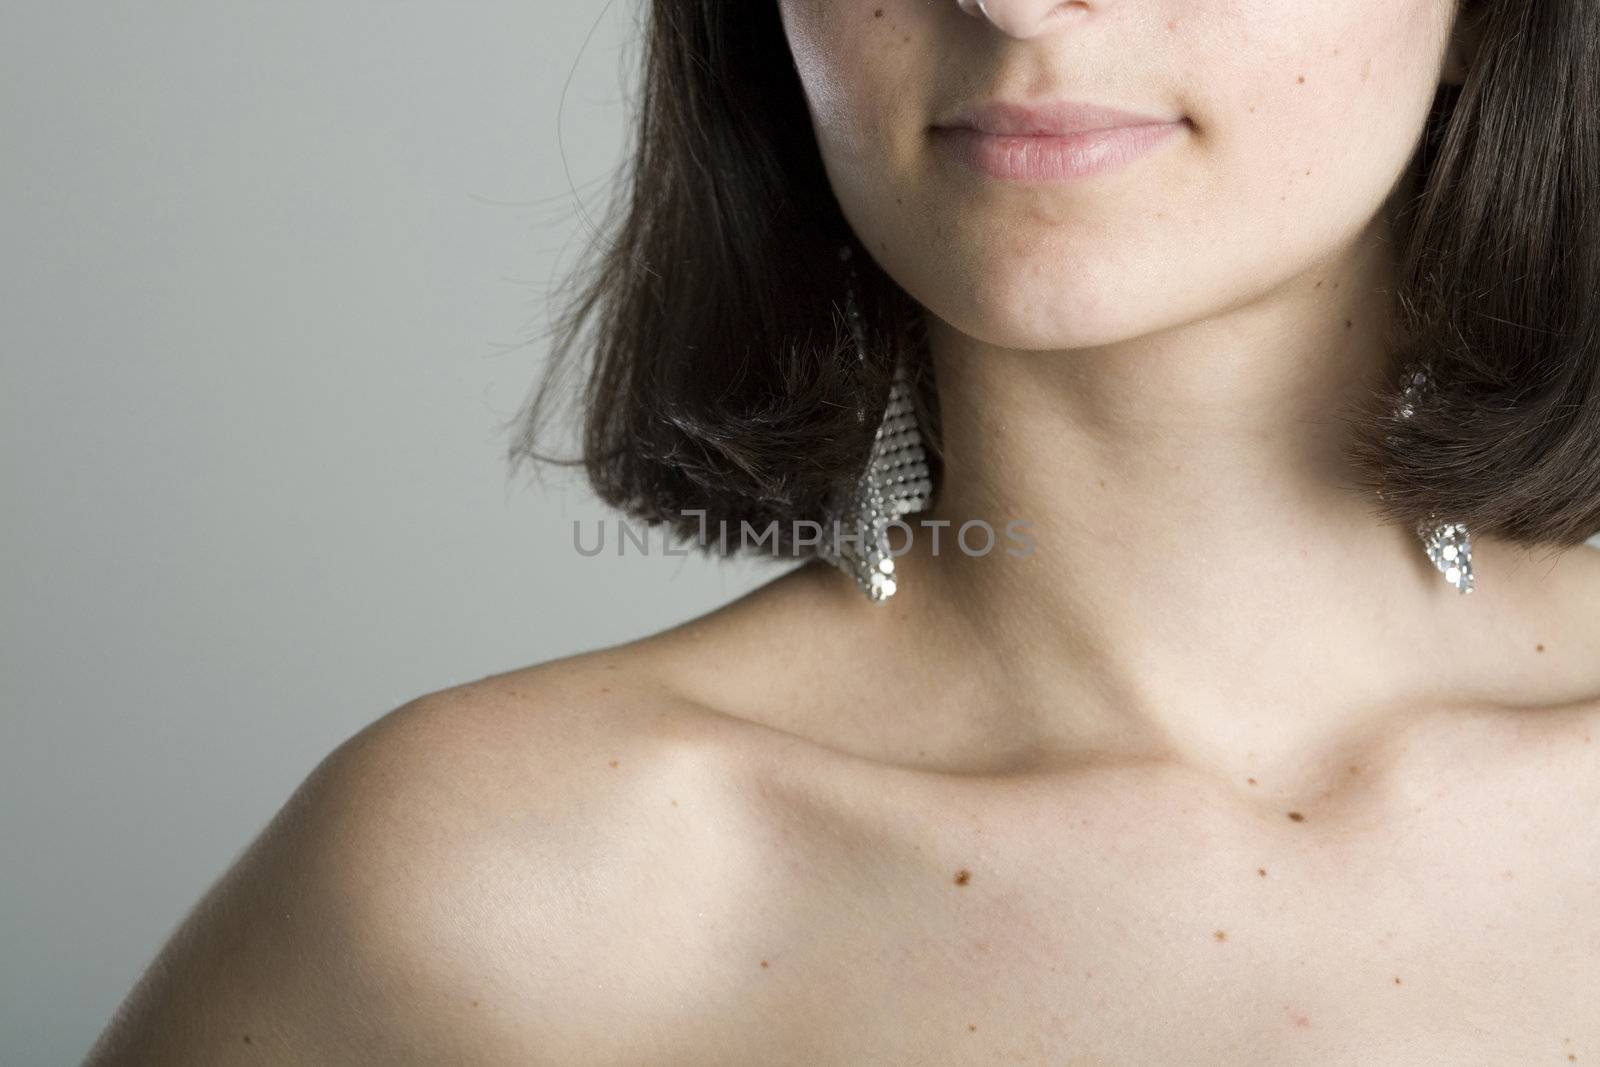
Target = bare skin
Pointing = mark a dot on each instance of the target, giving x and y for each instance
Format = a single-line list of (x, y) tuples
[(1223, 774), (686, 850)]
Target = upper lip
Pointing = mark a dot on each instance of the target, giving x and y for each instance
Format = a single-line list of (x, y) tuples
[(1045, 119)]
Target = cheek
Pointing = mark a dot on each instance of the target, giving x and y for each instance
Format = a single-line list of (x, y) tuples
[(1320, 108), (1305, 115), (865, 68)]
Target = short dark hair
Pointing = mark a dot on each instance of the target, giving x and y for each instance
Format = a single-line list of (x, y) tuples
[(722, 376)]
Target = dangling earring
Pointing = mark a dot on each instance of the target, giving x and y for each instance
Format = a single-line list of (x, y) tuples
[(895, 482), (1448, 544)]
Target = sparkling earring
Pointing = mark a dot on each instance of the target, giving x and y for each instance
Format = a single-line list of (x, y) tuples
[(1448, 544), (895, 482)]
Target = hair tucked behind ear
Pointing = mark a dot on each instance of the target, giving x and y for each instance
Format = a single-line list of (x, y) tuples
[(722, 378), (1499, 290)]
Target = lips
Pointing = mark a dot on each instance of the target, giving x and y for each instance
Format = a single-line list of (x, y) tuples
[(1057, 118), (1049, 142)]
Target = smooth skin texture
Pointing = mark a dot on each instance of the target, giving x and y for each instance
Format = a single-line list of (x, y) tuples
[(1223, 773)]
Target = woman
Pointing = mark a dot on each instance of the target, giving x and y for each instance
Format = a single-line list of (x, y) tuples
[(1206, 312)]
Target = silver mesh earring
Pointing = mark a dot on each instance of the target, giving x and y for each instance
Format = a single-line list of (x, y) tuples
[(895, 481), (1448, 544)]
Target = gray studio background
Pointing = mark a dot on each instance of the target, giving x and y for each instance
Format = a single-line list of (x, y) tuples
[(273, 277)]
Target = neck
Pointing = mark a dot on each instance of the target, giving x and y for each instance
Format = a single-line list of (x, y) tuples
[(1203, 582)]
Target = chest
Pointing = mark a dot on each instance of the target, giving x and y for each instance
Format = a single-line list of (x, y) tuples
[(1464, 928)]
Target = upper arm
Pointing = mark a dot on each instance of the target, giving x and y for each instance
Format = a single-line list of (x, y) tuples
[(348, 932)]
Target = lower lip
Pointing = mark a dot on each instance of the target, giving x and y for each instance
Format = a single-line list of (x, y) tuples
[(1052, 158)]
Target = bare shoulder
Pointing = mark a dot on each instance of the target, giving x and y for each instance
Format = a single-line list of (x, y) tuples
[(501, 872)]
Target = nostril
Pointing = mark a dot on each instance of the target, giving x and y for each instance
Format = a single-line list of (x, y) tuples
[(1022, 17)]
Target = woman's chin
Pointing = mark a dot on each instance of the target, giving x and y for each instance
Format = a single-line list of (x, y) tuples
[(1053, 323)]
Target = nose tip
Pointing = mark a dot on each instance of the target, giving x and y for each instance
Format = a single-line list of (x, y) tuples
[(1023, 18)]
